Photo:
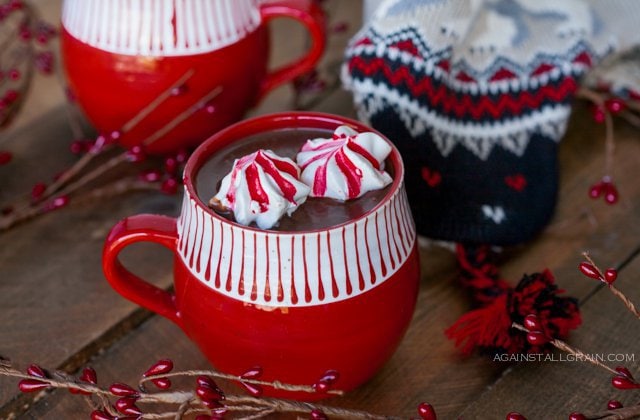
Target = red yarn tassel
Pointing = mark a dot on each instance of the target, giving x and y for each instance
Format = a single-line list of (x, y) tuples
[(482, 327), (489, 327)]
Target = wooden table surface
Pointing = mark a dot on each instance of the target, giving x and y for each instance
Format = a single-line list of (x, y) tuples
[(57, 310)]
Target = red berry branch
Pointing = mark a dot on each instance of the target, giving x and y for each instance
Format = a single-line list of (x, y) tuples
[(23, 48), (205, 399), (46, 198), (622, 378), (605, 106)]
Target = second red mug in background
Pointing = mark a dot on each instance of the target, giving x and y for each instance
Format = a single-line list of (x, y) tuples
[(297, 303), (121, 55)]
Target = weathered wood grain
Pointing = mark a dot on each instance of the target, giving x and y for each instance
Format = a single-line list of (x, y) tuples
[(56, 294)]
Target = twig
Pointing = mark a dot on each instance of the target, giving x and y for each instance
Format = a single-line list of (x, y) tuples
[(183, 116), (144, 113), (561, 345), (128, 126), (185, 400), (609, 144), (616, 292), (286, 406), (275, 384)]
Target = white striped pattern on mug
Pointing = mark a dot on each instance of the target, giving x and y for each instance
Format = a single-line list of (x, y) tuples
[(284, 269), (160, 28)]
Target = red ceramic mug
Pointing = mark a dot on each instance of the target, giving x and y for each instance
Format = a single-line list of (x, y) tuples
[(121, 55), (296, 303)]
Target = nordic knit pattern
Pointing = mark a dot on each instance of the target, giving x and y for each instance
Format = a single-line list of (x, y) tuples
[(476, 95)]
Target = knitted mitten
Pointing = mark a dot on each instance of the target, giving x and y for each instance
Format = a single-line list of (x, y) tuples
[(476, 95)]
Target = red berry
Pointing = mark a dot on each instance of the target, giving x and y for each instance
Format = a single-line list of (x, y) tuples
[(537, 338), (318, 415), (16, 4), (5, 157), (614, 405), (182, 156), (598, 114), (611, 194), (162, 383), (515, 416), (32, 385), (254, 390), (253, 373), (57, 203), (89, 375), (14, 74), (76, 147), (206, 381), (321, 386), (169, 186), (171, 165), (159, 368), (532, 323), (212, 404), (624, 371), (207, 393), (35, 370), (127, 405), (11, 95), (589, 270), (25, 33), (136, 154), (151, 175), (340, 27), (44, 60), (577, 416), (114, 136), (100, 415), (610, 275), (122, 390), (623, 382), (426, 411), (38, 190), (614, 105)]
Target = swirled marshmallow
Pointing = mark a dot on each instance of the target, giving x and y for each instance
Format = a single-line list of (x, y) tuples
[(261, 188), (345, 166)]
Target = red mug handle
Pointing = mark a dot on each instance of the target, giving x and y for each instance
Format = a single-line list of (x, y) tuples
[(140, 228), (311, 16)]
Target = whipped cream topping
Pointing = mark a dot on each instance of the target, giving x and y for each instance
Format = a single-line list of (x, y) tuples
[(261, 188), (345, 166)]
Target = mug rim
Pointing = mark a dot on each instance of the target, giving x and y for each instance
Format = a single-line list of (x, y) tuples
[(283, 120)]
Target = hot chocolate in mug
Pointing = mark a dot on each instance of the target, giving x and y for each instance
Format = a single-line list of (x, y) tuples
[(119, 56), (297, 300)]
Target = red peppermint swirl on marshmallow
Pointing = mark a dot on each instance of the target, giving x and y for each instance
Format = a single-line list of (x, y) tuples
[(261, 188), (345, 166)]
